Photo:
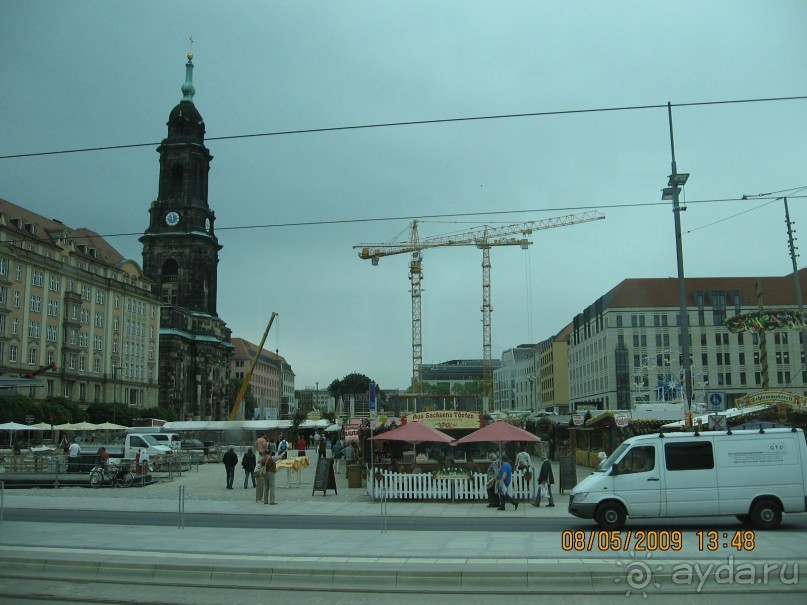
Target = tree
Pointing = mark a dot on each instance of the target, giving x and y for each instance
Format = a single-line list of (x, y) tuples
[(15, 408), (296, 420), (353, 384)]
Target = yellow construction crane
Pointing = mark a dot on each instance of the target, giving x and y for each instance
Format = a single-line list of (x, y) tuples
[(484, 238), (248, 376)]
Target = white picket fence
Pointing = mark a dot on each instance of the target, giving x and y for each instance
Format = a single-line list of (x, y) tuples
[(423, 486)]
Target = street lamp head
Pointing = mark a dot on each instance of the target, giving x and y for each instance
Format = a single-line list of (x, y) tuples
[(679, 179), (669, 193)]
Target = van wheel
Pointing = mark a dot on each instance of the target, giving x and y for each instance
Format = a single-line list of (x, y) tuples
[(611, 516), (766, 514), (744, 519)]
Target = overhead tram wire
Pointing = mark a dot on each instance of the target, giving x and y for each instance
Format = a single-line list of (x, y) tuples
[(419, 123), (383, 219)]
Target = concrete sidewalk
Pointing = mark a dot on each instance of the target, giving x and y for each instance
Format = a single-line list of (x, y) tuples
[(400, 559)]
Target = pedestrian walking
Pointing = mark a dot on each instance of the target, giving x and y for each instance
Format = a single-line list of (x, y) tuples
[(545, 480), (492, 474), (336, 450), (230, 459), (269, 479), (505, 477), (248, 463), (301, 446), (282, 448), (73, 451)]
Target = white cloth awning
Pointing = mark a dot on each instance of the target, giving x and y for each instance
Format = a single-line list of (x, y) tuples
[(729, 413)]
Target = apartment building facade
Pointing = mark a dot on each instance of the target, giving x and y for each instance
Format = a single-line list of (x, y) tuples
[(624, 349), (272, 379), (551, 362), (68, 298)]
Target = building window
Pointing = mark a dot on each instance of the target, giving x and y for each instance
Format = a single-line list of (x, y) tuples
[(33, 356), (16, 299), (36, 278), (36, 304), (99, 320), (18, 273), (55, 283), (718, 306), (12, 353), (71, 361), (15, 326), (99, 297), (82, 364), (51, 333), (3, 266)]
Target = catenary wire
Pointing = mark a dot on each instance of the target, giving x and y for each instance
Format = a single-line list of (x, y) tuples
[(449, 215), (419, 123)]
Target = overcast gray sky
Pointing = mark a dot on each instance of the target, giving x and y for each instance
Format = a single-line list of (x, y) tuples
[(93, 73)]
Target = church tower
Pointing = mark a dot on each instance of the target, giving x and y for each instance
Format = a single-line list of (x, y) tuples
[(181, 255)]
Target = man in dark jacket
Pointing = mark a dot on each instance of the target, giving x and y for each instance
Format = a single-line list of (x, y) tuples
[(248, 463), (230, 459), (545, 481)]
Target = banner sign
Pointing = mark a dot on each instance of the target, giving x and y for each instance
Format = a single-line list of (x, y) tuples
[(447, 419), (771, 397)]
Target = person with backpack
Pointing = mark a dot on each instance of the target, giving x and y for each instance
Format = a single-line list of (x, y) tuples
[(282, 448)]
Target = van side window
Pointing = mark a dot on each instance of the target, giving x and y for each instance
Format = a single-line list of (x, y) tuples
[(689, 456), (638, 460), (138, 442)]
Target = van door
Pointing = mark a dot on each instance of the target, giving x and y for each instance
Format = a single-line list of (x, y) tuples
[(690, 478), (637, 481)]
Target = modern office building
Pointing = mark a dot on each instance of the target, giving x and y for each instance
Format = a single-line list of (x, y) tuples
[(515, 379), (69, 299), (181, 255), (624, 349), (448, 374)]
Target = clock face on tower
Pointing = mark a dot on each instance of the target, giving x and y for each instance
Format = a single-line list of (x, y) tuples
[(171, 219)]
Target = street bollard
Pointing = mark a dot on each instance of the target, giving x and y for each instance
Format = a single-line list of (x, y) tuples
[(383, 510), (181, 507)]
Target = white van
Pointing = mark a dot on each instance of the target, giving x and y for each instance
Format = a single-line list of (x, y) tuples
[(172, 440), (753, 475)]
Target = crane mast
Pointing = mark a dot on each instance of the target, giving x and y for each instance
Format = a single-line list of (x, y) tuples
[(484, 238)]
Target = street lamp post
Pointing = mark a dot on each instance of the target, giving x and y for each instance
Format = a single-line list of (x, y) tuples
[(671, 192), (114, 395)]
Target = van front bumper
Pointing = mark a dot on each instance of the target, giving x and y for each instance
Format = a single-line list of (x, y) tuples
[(584, 510)]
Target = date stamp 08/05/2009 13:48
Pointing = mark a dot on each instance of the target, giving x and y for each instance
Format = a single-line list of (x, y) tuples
[(655, 540)]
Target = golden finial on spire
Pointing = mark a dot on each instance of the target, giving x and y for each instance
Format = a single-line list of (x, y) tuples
[(190, 49)]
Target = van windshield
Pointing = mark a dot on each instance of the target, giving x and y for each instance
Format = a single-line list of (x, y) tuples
[(615, 455)]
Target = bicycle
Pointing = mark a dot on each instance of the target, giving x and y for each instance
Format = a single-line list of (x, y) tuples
[(117, 475)]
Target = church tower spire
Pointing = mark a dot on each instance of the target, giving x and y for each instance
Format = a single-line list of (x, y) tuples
[(180, 257), (187, 88)]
